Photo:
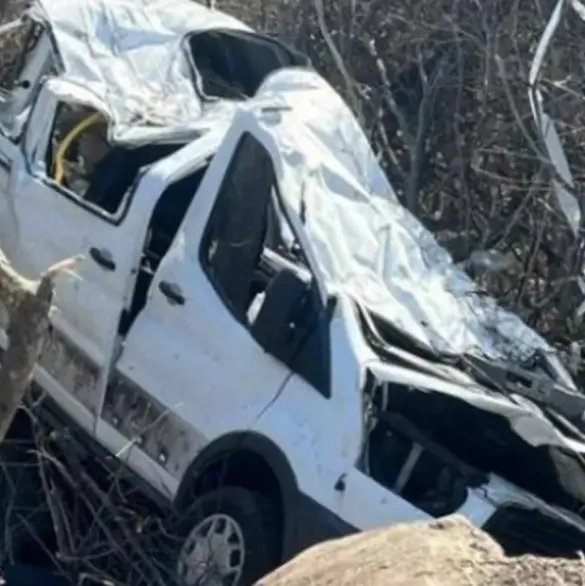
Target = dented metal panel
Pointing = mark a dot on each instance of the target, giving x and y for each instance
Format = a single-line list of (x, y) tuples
[(155, 429), (71, 369)]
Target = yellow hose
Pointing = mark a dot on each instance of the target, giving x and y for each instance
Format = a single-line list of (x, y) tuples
[(66, 143)]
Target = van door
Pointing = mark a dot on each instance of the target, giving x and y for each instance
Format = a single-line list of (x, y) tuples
[(50, 221), (191, 370)]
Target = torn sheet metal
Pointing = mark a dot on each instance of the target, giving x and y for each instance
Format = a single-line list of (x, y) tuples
[(528, 421), (546, 127), (366, 243), (129, 53), (562, 184)]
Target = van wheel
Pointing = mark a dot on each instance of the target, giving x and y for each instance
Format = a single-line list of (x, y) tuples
[(230, 537)]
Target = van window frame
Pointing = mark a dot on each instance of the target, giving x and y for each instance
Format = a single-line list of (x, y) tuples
[(207, 232), (295, 55), (319, 379), (40, 172), (124, 207)]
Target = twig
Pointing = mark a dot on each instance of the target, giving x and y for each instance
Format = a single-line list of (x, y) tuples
[(338, 60)]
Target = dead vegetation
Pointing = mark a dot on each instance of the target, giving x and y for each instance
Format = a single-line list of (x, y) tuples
[(28, 304), (86, 522), (441, 87)]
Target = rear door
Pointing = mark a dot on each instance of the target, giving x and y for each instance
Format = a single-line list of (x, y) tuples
[(48, 223)]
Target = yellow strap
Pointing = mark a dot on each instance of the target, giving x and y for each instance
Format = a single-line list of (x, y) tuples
[(66, 143)]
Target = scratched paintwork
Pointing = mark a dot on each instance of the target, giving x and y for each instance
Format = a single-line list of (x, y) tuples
[(71, 369), (164, 436)]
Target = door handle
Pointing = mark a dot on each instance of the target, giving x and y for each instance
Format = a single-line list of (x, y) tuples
[(103, 258), (172, 292)]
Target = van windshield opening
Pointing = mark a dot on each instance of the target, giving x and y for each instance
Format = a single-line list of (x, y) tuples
[(233, 64)]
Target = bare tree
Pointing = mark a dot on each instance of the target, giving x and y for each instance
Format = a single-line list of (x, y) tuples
[(28, 303)]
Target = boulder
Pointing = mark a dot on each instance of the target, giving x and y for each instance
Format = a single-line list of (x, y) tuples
[(445, 552)]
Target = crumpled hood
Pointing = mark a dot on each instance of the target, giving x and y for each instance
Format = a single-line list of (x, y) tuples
[(367, 243), (524, 417)]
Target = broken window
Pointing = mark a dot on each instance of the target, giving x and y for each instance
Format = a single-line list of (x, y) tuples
[(233, 64), (236, 232), (251, 256), (78, 143), (92, 170), (280, 237)]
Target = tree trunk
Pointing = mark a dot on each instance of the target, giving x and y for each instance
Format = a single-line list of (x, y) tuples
[(28, 304)]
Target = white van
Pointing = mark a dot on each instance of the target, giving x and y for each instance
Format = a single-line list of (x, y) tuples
[(257, 330)]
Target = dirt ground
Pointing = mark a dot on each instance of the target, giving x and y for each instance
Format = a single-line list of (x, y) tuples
[(449, 552)]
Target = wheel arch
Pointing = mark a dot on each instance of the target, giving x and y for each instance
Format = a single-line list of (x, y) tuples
[(235, 445)]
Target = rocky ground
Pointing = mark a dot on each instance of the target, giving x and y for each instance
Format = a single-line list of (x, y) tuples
[(449, 552)]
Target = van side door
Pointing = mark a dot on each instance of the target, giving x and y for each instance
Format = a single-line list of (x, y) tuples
[(191, 369), (50, 221)]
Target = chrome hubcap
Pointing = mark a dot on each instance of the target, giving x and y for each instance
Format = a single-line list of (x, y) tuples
[(213, 553)]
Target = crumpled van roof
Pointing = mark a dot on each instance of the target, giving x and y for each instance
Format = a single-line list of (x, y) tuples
[(129, 54)]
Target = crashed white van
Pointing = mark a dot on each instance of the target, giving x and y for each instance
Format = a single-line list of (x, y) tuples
[(257, 330)]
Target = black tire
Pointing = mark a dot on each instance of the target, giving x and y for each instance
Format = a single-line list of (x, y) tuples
[(257, 519)]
